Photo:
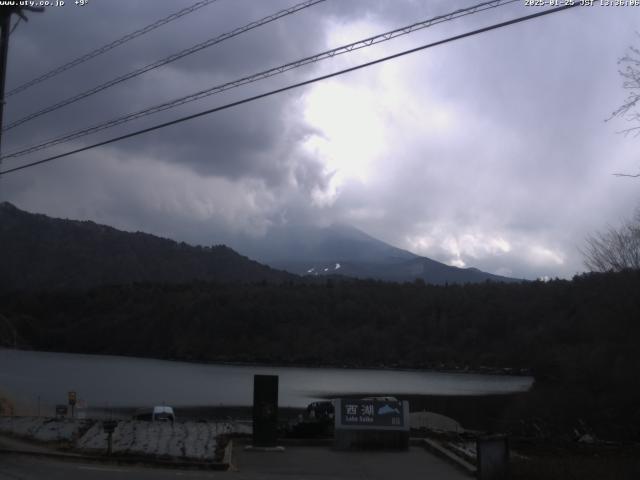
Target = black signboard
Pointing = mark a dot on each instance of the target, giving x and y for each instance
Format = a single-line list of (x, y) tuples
[(61, 409), (109, 425), (265, 410), (372, 413)]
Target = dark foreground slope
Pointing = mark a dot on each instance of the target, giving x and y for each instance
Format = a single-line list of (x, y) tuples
[(579, 337), (39, 252)]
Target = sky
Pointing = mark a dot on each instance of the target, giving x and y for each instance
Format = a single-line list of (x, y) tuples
[(489, 152)]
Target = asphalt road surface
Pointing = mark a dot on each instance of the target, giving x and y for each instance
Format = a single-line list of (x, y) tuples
[(22, 467), (296, 462), (319, 463)]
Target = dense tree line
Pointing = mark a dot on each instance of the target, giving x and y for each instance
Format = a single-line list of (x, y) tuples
[(39, 252), (580, 334)]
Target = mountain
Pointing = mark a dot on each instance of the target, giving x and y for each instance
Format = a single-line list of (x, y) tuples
[(39, 252), (345, 250)]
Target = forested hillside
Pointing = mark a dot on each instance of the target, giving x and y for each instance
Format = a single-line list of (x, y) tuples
[(39, 252)]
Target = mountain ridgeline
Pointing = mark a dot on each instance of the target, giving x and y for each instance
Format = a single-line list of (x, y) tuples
[(42, 253), (345, 250)]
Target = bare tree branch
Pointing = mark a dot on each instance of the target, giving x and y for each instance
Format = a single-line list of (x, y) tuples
[(615, 249), (630, 72)]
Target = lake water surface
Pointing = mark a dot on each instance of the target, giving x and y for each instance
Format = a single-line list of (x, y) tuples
[(113, 381)]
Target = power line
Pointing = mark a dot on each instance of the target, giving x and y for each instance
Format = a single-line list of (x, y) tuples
[(383, 37), (293, 86), (15, 25), (165, 61), (109, 46)]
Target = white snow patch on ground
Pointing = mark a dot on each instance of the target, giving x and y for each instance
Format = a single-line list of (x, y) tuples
[(185, 440), (434, 421), (43, 429), (192, 440)]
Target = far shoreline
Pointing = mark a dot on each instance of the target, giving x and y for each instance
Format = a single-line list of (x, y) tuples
[(497, 371)]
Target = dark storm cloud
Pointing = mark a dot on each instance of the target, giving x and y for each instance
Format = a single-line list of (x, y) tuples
[(63, 33), (225, 145)]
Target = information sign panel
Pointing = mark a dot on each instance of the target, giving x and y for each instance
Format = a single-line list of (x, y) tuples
[(371, 423), (372, 413)]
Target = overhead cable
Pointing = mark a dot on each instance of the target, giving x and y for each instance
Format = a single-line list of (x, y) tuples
[(110, 46), (292, 86), (383, 37), (164, 61)]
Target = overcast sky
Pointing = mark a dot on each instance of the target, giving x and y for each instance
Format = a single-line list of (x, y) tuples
[(489, 152)]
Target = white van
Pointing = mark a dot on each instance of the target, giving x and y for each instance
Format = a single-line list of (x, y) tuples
[(163, 414)]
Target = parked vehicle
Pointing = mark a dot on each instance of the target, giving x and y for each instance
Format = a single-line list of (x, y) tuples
[(163, 414), (155, 414), (320, 411)]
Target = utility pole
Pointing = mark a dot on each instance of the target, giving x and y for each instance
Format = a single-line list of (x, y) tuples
[(5, 24), (4, 53)]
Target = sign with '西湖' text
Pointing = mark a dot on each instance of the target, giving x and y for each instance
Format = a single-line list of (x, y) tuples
[(372, 413)]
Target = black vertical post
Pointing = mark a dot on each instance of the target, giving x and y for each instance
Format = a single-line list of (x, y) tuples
[(5, 14), (109, 426), (72, 401), (5, 23), (493, 457), (265, 410)]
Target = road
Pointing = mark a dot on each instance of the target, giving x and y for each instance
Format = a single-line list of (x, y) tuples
[(324, 464), (21, 467), (299, 462), (296, 462)]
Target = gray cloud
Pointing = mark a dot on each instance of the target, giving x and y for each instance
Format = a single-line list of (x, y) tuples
[(489, 152)]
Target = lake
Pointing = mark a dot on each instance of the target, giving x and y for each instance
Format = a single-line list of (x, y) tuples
[(102, 381)]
